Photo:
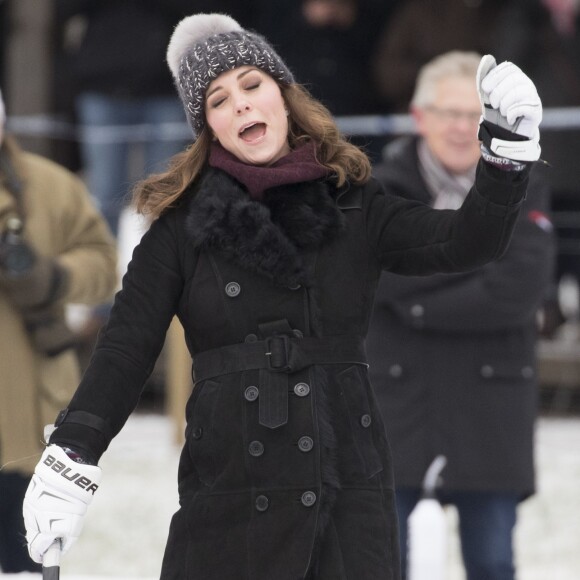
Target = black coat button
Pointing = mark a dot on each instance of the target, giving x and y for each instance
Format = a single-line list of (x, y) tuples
[(528, 372), (301, 389), (297, 333), (262, 503), (417, 310), (396, 370), (251, 338), (366, 421), (305, 444), (256, 448), (232, 289), (251, 393), (295, 287), (308, 498), (487, 371), (198, 433)]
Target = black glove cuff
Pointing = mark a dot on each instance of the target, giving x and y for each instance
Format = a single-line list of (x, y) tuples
[(487, 131)]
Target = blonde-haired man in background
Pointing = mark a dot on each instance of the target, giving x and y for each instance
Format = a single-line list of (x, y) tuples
[(452, 357)]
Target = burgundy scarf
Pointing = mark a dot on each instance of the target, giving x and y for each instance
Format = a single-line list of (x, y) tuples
[(298, 166)]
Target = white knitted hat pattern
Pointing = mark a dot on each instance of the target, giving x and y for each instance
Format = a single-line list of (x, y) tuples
[(205, 45)]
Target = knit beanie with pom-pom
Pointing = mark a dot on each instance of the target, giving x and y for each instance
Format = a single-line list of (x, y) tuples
[(205, 45)]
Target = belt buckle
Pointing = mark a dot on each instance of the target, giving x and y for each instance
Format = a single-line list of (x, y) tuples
[(278, 353)]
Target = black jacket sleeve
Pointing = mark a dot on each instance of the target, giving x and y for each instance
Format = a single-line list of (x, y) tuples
[(502, 294), (411, 238), (130, 343)]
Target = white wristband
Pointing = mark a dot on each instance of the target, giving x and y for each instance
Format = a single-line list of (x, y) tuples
[(528, 150)]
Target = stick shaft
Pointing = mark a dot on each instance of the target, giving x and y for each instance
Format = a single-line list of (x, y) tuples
[(51, 562)]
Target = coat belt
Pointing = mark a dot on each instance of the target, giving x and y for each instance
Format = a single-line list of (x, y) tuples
[(276, 357)]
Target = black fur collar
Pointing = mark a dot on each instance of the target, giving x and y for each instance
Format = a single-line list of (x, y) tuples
[(266, 237)]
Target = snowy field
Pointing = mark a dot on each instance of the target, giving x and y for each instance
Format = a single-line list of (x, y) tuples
[(126, 528)]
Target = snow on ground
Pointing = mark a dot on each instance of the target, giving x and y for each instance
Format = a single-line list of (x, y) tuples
[(126, 527)]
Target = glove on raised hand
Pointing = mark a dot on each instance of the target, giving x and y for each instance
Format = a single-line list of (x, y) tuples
[(56, 500), (511, 111)]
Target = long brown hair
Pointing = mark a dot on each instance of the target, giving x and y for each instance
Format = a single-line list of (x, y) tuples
[(308, 120)]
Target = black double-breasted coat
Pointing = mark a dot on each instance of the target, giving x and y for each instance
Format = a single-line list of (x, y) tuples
[(286, 472), (453, 360)]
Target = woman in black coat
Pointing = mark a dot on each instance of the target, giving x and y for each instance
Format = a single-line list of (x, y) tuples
[(268, 242)]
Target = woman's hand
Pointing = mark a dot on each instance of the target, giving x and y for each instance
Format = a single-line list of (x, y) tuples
[(56, 501), (511, 111)]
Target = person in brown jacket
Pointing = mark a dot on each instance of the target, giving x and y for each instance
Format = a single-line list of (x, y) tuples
[(55, 248)]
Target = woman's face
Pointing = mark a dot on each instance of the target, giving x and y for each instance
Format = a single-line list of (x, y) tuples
[(246, 113)]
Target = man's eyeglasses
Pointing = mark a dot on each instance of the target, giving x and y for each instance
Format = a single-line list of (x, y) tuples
[(453, 115)]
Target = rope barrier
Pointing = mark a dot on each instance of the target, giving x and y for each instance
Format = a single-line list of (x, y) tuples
[(53, 127)]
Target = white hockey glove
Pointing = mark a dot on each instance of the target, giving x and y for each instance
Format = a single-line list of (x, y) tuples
[(56, 501), (511, 111)]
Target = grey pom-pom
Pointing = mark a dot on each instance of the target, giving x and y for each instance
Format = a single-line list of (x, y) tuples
[(193, 30)]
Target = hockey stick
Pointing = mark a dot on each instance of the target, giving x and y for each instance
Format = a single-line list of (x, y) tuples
[(51, 562)]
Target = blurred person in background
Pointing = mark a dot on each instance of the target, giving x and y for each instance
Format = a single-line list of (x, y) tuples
[(452, 357), (419, 30), (113, 53), (55, 248), (3, 35), (326, 43), (329, 45), (544, 35)]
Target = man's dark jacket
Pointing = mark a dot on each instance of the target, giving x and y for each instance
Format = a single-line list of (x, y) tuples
[(452, 357)]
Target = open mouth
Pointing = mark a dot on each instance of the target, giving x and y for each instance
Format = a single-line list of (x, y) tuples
[(252, 132)]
